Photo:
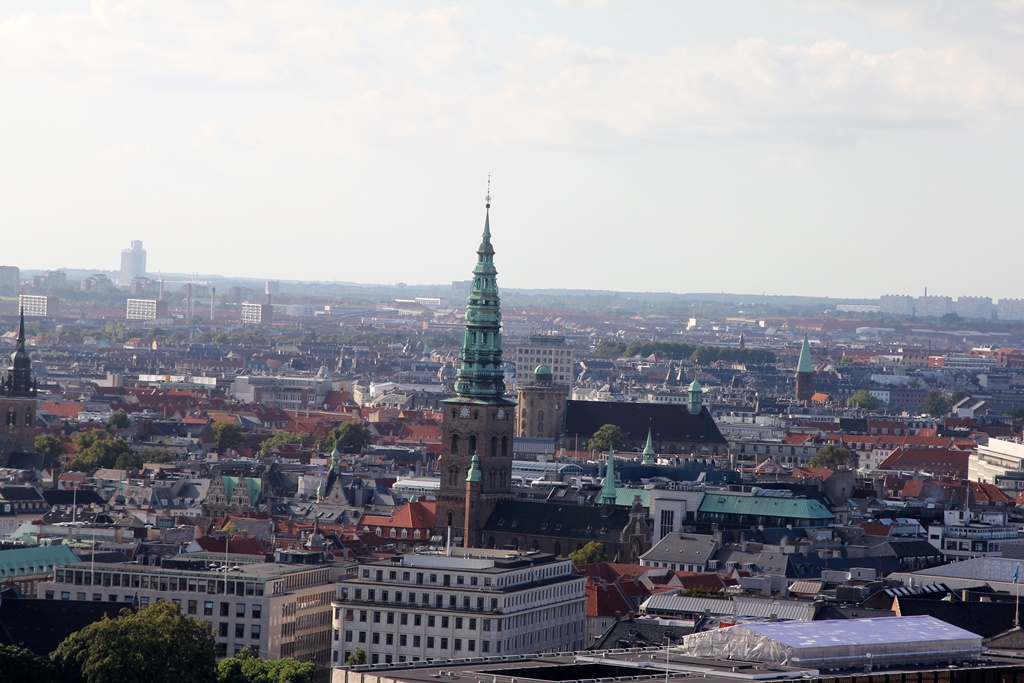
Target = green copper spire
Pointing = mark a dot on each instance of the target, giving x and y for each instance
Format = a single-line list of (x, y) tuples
[(805, 364), (696, 397), (336, 459), (480, 376), (474, 470), (607, 496), (648, 453)]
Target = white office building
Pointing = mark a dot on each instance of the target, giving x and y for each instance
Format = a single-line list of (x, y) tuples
[(474, 603), (281, 608)]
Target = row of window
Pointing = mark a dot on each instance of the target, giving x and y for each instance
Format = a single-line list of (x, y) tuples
[(433, 642), (85, 577), (254, 631), (385, 596), (422, 578)]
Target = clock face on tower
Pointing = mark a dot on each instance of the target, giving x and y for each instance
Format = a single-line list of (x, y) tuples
[(464, 412), (501, 413)]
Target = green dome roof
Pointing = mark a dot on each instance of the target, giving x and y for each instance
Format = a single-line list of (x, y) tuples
[(542, 370), (695, 386)]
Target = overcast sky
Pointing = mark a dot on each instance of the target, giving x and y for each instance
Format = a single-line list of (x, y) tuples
[(845, 148)]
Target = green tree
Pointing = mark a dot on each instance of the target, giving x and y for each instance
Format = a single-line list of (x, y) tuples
[(118, 420), (831, 457), (608, 436), (957, 396), (864, 400), (50, 445), (356, 658), (247, 667), (591, 553), (352, 436), (1017, 414), (228, 434), (935, 403), (97, 448), (610, 349), (154, 645), (24, 666), (280, 438)]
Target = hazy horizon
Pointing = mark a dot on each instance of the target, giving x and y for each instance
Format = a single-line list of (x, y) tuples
[(839, 149)]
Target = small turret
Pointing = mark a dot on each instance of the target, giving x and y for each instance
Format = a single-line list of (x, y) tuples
[(696, 397), (648, 453)]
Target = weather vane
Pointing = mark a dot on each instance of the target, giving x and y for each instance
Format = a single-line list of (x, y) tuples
[(488, 197)]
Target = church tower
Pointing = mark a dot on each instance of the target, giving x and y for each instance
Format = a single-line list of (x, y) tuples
[(541, 405), (18, 402), (805, 373), (479, 422)]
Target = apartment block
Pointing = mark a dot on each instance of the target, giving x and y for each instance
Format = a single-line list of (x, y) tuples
[(39, 306), (146, 309), (257, 314)]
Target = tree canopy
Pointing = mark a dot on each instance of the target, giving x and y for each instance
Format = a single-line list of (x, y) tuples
[(607, 436), (154, 645), (247, 667), (348, 436), (356, 658), (864, 400), (832, 457), (935, 403), (591, 553), (280, 438), (228, 434), (97, 448), (683, 351), (24, 666), (118, 420), (49, 445)]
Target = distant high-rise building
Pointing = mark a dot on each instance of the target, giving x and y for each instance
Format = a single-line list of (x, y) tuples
[(932, 306), (974, 307), (38, 306), (10, 280), (550, 349), (133, 263), (146, 309), (257, 314), (896, 304), (1011, 309)]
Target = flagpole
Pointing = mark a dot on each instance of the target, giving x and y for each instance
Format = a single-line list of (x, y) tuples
[(1016, 590)]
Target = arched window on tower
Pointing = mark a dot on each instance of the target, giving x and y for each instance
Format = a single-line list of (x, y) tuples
[(453, 476), (455, 444), (494, 446), (540, 415), (11, 420), (504, 446), (472, 444)]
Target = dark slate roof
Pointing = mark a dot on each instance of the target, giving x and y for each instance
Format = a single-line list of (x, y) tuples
[(906, 548), (83, 497), (539, 518), (41, 625), (983, 618), (30, 461), (668, 422), (639, 633), (19, 493)]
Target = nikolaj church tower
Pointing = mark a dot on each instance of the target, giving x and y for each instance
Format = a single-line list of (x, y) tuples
[(479, 422), (18, 402)]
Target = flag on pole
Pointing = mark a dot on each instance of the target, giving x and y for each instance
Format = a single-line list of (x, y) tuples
[(1016, 572)]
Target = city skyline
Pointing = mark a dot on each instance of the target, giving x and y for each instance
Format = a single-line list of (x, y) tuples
[(838, 149)]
